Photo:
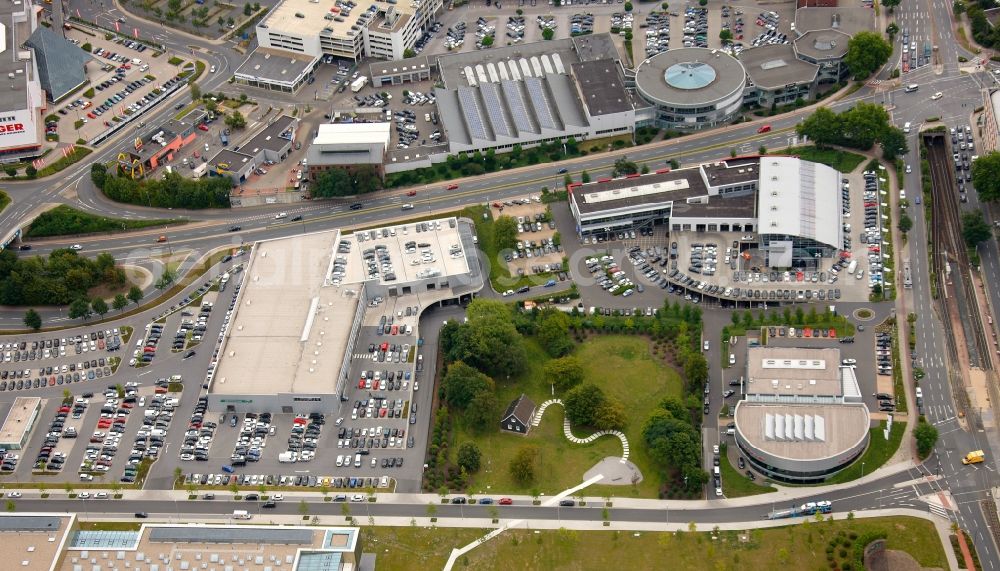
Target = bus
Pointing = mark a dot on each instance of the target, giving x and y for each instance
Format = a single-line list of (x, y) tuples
[(907, 276)]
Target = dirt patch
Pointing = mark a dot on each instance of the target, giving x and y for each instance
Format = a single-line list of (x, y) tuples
[(890, 560), (108, 292)]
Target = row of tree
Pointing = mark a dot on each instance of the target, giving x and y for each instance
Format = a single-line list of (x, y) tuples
[(84, 308), (361, 179), (171, 191), (859, 127), (674, 442), (58, 279)]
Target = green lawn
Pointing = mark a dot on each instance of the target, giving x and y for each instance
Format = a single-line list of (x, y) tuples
[(735, 484), (65, 220), (843, 161), (802, 545), (879, 451), (4, 200), (623, 367)]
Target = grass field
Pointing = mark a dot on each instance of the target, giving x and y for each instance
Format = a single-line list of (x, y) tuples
[(624, 367), (879, 451), (804, 545), (843, 161), (735, 484)]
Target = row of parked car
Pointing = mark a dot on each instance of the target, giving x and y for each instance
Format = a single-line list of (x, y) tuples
[(696, 27), (296, 480), (200, 433), (657, 32)]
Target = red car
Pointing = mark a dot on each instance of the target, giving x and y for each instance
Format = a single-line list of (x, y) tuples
[(361, 384), (411, 193), (506, 502), (764, 129), (381, 412), (91, 115), (395, 329), (452, 187), (203, 126)]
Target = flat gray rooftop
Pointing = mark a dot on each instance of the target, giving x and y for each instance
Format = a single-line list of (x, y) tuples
[(776, 66), (592, 47), (822, 44), (848, 19), (273, 66), (288, 333), (600, 84), (14, 93), (30, 523), (725, 75), (18, 419), (658, 188), (718, 207), (732, 171), (207, 534), (396, 67), (274, 137), (793, 371)]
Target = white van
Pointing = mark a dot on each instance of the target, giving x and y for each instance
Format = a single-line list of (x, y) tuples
[(911, 88), (241, 514), (340, 460), (357, 460)]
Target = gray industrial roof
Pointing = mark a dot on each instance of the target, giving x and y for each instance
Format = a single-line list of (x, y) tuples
[(847, 19), (274, 66), (601, 85), (510, 109), (713, 75), (29, 523), (453, 66), (822, 44), (274, 137), (661, 190), (592, 47), (205, 534), (396, 67), (774, 66), (744, 206), (60, 63), (731, 171)]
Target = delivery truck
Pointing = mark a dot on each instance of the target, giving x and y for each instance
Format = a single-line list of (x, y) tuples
[(974, 457), (288, 457), (359, 83)]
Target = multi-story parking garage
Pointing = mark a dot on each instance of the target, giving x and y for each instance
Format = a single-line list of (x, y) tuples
[(802, 418), (692, 88), (290, 343)]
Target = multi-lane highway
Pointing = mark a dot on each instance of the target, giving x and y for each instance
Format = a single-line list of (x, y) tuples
[(962, 92)]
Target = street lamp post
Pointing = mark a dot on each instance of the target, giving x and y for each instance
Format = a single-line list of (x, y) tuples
[(862, 469)]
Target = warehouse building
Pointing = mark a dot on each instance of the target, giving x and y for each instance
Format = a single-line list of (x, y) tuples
[(802, 419), (692, 88), (275, 70), (530, 94), (398, 72), (160, 144), (23, 101), (291, 340), (21, 418), (348, 146)]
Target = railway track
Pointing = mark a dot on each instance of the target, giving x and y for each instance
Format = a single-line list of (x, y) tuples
[(950, 248)]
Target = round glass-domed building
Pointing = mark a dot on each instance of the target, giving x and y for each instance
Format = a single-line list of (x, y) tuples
[(692, 88)]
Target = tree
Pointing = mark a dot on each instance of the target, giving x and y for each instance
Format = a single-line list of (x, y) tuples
[(905, 224), (99, 306), (247, 9), (548, 33), (134, 294), (564, 372), (409, 53), (986, 176), (165, 279), (195, 92), (505, 233), (628, 6), (522, 465), (974, 228), (958, 7), (585, 177), (623, 167), (926, 436), (30, 171), (553, 333), (32, 319), (823, 127), (890, 4), (11, 171), (120, 302), (469, 457), (481, 412), (236, 120), (79, 308), (583, 402), (891, 30), (487, 41), (866, 52), (333, 182), (461, 382), (726, 36), (211, 106), (675, 164), (894, 143)]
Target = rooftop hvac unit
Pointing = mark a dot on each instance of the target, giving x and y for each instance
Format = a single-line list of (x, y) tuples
[(774, 208), (774, 224), (774, 193)]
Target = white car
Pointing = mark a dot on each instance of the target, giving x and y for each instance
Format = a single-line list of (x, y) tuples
[(14, 494), (705, 345), (850, 362), (212, 69), (407, 206), (908, 169), (101, 495), (83, 495), (76, 247), (937, 96)]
